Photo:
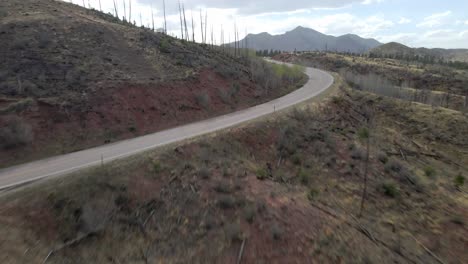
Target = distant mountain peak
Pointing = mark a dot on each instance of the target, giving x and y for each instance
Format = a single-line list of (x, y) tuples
[(307, 39)]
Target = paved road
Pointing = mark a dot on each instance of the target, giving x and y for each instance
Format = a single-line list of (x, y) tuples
[(64, 164)]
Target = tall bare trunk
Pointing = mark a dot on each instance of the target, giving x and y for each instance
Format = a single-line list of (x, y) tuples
[(152, 17), (193, 28), (165, 21), (181, 23), (206, 25), (115, 9), (125, 10), (129, 11), (187, 37), (100, 6), (201, 27)]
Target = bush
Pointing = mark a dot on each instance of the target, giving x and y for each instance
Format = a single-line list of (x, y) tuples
[(15, 133), (204, 173), (429, 171), (459, 181), (312, 194), (234, 232), (303, 176), (390, 189), (358, 154), (203, 99), (261, 174), (382, 157), (249, 213), (276, 232), (226, 202), (393, 165)]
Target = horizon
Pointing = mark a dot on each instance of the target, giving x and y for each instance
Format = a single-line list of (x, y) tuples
[(418, 24)]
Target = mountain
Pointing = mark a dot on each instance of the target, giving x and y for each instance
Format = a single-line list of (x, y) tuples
[(306, 39), (395, 49)]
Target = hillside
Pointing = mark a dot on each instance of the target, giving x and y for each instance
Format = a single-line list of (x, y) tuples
[(72, 78), (306, 39), (284, 190), (395, 49)]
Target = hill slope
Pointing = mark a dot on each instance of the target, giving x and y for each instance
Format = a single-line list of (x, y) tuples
[(395, 49), (72, 78), (306, 39)]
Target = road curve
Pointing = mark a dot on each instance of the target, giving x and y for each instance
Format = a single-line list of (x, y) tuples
[(11, 177)]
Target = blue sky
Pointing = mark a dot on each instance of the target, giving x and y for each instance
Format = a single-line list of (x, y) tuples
[(416, 23)]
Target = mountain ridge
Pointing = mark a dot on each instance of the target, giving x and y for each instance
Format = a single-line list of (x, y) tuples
[(307, 39)]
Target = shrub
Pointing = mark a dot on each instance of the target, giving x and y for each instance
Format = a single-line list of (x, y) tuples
[(226, 202), (459, 181), (249, 213), (204, 173), (224, 95), (390, 189), (303, 176), (393, 165), (312, 194), (261, 174), (157, 166), (276, 232), (358, 154), (16, 132), (223, 187), (203, 99), (429, 171), (382, 157), (234, 232)]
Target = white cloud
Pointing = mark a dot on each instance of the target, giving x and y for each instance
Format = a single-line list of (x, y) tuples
[(368, 2), (435, 20), (404, 20), (466, 22)]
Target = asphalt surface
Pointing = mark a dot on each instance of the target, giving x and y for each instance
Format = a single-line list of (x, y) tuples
[(61, 165)]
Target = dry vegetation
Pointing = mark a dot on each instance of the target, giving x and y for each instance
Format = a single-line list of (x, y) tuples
[(284, 190)]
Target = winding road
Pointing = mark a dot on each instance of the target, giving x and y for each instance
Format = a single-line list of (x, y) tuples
[(61, 165)]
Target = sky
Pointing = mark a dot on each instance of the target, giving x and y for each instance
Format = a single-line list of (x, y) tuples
[(416, 23)]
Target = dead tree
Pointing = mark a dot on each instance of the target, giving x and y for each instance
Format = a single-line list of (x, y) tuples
[(206, 25), (152, 17), (125, 10), (116, 11), (84, 5), (129, 11), (201, 27), (193, 28), (165, 22), (181, 23), (185, 24), (100, 6)]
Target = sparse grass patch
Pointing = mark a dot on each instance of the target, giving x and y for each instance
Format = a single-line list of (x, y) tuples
[(312, 194), (15, 133), (234, 232)]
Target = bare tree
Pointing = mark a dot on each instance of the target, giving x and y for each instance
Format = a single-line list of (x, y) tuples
[(185, 24), (193, 28), (206, 25), (152, 17), (165, 21), (129, 11), (100, 6), (181, 23), (125, 10), (201, 26), (84, 4), (116, 11)]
